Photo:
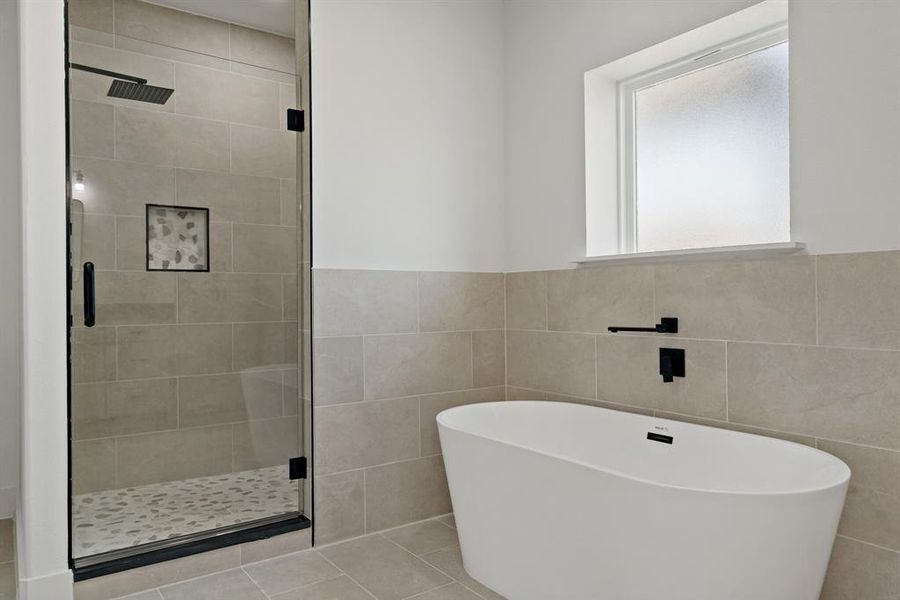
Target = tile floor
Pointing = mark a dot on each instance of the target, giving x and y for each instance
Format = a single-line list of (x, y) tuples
[(125, 517), (419, 561)]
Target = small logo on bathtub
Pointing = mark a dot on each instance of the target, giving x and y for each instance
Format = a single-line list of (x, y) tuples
[(660, 428)]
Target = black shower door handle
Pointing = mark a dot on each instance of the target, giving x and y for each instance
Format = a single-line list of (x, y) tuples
[(90, 297)]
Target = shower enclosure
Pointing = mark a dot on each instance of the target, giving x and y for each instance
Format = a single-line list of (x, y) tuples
[(189, 267)]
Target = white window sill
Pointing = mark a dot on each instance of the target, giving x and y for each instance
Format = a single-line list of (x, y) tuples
[(740, 252)]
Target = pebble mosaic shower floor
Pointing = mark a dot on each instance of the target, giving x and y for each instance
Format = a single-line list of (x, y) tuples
[(114, 519)]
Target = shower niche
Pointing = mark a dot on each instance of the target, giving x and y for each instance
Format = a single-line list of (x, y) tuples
[(189, 257)]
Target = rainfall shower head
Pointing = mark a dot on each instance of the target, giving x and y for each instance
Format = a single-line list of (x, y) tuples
[(139, 91), (129, 87)]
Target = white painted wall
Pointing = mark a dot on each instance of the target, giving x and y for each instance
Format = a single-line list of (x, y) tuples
[(845, 116), (10, 258), (408, 134), (41, 513)]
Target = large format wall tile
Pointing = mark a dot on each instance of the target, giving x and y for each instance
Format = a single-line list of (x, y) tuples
[(526, 300), (265, 249), (93, 354), (350, 436), (225, 96), (124, 407), (406, 491), (131, 298), (171, 27), (266, 443), (254, 47), (754, 300), (841, 394), (489, 358), (93, 465), (592, 299), (173, 140), (458, 301), (265, 345), (210, 298), (229, 398), (340, 506), (98, 240), (859, 570), (351, 302), (339, 370), (263, 152), (120, 188), (628, 373), (432, 404), (170, 455), (92, 128), (409, 364), (95, 14), (236, 198), (552, 362), (166, 350), (859, 299)]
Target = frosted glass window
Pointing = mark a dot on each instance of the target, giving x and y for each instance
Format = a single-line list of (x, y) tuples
[(711, 155)]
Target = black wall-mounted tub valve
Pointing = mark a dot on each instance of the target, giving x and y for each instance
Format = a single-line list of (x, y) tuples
[(665, 325), (671, 363)]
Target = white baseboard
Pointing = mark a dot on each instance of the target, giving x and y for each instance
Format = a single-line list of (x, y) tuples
[(7, 502), (57, 586)]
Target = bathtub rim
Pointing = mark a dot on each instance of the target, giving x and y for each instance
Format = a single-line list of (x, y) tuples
[(843, 482)]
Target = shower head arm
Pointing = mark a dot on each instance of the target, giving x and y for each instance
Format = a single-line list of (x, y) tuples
[(113, 74)]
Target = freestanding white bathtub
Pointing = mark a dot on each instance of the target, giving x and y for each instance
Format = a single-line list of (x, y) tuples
[(558, 501)]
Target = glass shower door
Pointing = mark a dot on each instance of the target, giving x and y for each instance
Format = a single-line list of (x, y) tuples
[(188, 256)]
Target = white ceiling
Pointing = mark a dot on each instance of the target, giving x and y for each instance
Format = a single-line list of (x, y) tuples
[(276, 16)]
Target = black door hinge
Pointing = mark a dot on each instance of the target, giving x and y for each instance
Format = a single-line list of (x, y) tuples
[(296, 120), (297, 468)]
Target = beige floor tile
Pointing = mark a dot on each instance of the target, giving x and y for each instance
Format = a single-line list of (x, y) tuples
[(148, 595), (448, 520), (289, 572), (386, 570), (422, 538), (340, 588), (454, 591), (230, 585), (449, 561)]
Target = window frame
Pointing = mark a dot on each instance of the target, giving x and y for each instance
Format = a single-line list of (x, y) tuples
[(625, 100)]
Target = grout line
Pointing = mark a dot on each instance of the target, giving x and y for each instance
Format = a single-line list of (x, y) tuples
[(727, 407), (365, 503), (816, 294), (345, 573)]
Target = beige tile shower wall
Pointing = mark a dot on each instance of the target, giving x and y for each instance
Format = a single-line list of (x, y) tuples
[(803, 348), (186, 374), (391, 350)]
